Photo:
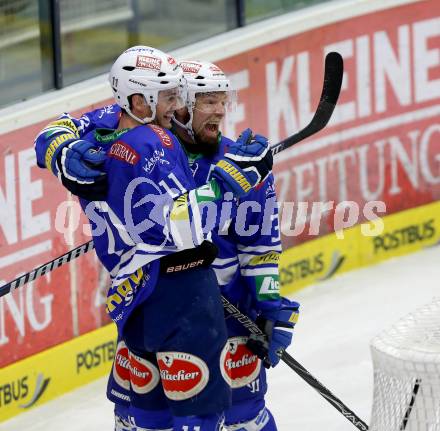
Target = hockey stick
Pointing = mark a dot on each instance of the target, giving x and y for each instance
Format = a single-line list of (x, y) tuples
[(411, 404), (46, 268), (252, 327), (333, 73)]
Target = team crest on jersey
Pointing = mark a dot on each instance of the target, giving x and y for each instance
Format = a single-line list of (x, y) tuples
[(121, 366), (183, 375), (147, 62), (239, 366), (163, 136), (144, 375), (123, 152)]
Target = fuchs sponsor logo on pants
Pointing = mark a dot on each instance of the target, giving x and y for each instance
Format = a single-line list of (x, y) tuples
[(144, 375), (239, 366), (183, 375), (132, 370), (121, 366)]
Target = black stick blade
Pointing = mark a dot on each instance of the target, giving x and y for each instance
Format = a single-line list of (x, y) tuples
[(334, 70), (333, 73)]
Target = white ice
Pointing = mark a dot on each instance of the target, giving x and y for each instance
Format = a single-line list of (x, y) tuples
[(338, 319)]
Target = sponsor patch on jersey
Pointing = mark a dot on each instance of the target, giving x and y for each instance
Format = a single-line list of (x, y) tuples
[(144, 375), (267, 286), (272, 257), (239, 366), (190, 67), (121, 366), (183, 375), (163, 136), (123, 152), (147, 62), (158, 157)]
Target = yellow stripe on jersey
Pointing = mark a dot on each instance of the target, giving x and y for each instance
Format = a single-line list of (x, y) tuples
[(180, 209), (272, 257), (64, 122), (235, 174)]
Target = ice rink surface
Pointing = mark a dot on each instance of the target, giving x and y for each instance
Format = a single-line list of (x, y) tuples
[(338, 319)]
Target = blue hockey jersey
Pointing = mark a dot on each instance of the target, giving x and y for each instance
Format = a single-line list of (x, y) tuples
[(249, 244), (247, 265), (152, 208)]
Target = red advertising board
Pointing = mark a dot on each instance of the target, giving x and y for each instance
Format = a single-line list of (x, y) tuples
[(62, 304), (383, 144)]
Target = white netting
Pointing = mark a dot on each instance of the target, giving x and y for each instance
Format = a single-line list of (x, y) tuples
[(406, 360)]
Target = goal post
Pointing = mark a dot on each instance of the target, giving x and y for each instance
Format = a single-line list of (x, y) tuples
[(406, 362)]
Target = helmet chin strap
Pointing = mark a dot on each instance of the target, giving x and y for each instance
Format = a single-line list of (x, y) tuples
[(188, 125)]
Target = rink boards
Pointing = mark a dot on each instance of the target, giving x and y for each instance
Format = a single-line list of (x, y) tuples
[(398, 234), (381, 145), (51, 373)]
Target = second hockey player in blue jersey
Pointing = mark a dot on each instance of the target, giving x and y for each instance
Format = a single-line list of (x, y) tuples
[(148, 233), (246, 268)]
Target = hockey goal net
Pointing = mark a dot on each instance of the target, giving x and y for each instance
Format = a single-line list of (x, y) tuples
[(406, 361)]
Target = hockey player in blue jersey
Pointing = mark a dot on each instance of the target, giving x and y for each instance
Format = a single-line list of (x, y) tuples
[(248, 408), (246, 267), (148, 233), (247, 264)]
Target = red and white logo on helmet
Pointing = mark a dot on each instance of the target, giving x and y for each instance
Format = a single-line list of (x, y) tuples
[(171, 60), (183, 375), (144, 375), (148, 62), (239, 366), (121, 366), (190, 66)]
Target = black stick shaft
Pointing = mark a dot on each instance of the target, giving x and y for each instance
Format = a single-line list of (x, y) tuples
[(46, 268), (322, 390), (333, 74), (411, 404), (334, 68), (252, 327)]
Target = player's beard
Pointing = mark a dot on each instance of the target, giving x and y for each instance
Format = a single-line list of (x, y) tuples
[(206, 141), (206, 145)]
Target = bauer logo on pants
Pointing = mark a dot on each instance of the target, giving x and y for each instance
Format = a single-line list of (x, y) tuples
[(238, 364), (144, 375), (121, 366), (183, 375)]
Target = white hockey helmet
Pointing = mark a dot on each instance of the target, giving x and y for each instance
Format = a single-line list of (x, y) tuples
[(147, 71), (204, 77)]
